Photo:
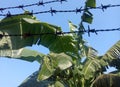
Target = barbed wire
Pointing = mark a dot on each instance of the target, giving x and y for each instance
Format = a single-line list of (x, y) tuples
[(61, 33), (40, 3), (53, 11)]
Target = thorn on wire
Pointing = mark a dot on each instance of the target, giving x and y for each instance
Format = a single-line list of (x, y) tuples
[(40, 3), (52, 11), (9, 14), (78, 10), (91, 31), (1, 9), (88, 30), (62, 1), (21, 6), (104, 7), (31, 13)]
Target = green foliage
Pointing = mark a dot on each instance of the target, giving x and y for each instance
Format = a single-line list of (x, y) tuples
[(112, 56), (91, 3), (33, 32), (87, 17), (23, 54), (54, 63), (30, 55), (71, 74), (113, 52), (70, 63)]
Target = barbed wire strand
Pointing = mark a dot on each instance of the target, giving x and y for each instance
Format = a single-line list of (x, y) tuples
[(40, 3), (61, 33), (53, 11)]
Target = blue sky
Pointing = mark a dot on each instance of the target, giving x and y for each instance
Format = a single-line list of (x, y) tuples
[(13, 72)]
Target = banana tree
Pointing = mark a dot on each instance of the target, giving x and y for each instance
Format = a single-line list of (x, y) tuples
[(70, 63), (63, 66), (88, 73)]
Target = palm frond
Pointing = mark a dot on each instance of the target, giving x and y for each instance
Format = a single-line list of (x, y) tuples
[(112, 56), (92, 64)]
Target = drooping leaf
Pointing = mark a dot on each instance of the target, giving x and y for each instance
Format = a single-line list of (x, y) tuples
[(92, 64), (25, 30), (52, 63), (90, 67), (23, 54), (30, 55), (87, 18), (46, 69), (112, 56), (91, 3), (92, 53)]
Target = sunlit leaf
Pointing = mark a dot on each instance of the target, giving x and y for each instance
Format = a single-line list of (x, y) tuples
[(23, 54), (30, 55), (72, 26)]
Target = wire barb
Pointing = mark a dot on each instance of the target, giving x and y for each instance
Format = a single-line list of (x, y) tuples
[(62, 1), (91, 31), (1, 9), (9, 14), (78, 10), (21, 6), (40, 3), (103, 7), (52, 11)]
